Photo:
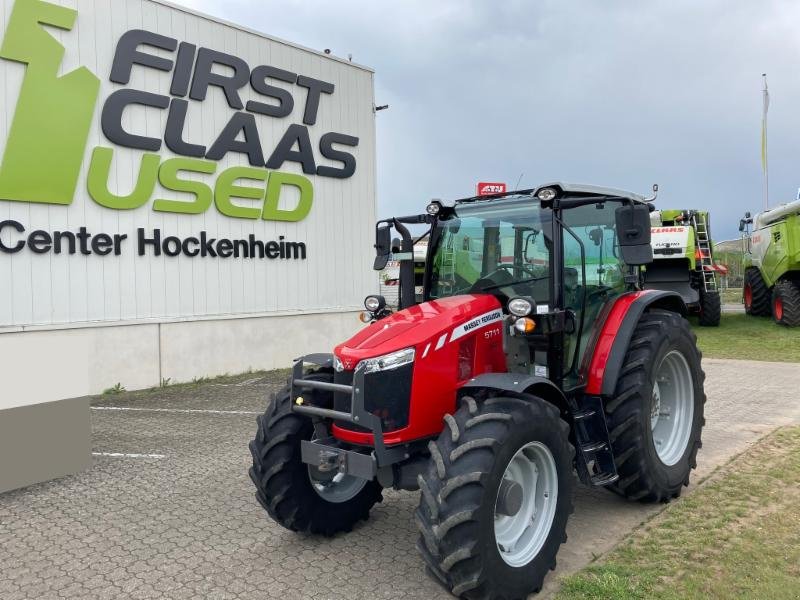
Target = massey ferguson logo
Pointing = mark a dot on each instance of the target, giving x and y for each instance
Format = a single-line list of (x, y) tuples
[(487, 189)]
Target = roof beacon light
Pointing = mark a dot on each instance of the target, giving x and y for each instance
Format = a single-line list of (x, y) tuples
[(546, 194)]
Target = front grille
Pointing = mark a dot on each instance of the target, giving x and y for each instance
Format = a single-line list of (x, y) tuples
[(387, 395)]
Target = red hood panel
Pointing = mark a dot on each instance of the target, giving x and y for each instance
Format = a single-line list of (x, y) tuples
[(415, 325)]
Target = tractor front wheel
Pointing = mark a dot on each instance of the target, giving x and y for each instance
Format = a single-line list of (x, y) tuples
[(656, 417), (299, 496), (756, 293), (496, 497), (786, 303)]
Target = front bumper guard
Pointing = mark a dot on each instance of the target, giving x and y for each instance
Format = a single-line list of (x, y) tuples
[(324, 453)]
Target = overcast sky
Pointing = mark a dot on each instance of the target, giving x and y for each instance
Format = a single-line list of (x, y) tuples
[(617, 93)]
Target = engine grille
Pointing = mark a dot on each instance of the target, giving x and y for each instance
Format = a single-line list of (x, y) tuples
[(387, 395)]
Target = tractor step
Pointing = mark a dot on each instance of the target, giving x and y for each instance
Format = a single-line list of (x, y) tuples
[(595, 457)]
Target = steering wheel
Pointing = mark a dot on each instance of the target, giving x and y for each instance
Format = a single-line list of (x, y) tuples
[(486, 282), (506, 267)]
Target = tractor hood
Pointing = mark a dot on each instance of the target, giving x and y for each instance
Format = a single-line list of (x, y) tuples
[(433, 323)]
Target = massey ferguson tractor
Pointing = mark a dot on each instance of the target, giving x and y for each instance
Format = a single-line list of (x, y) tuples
[(534, 354), (771, 254)]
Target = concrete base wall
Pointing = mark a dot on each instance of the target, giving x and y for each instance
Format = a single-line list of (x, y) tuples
[(40, 368), (43, 441)]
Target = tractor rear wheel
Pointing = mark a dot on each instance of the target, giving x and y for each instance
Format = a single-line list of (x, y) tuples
[(656, 417), (786, 303), (756, 293), (299, 496), (710, 309), (496, 497)]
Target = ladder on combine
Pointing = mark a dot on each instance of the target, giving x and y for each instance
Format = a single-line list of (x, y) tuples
[(448, 265), (703, 245)]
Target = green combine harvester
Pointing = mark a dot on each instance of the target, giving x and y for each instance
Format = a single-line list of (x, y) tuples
[(771, 254), (683, 261)]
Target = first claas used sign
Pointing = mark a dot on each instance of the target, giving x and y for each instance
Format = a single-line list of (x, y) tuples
[(486, 188)]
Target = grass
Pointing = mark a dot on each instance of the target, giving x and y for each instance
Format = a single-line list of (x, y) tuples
[(737, 536), (731, 296), (749, 338)]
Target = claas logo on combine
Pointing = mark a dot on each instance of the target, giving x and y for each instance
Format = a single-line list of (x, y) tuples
[(487, 188)]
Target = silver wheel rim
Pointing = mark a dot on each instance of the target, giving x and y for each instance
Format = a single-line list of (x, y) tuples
[(520, 537), (672, 408), (335, 487)]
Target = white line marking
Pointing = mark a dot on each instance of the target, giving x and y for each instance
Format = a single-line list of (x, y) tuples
[(425, 353), (178, 410), (440, 343), (125, 455)]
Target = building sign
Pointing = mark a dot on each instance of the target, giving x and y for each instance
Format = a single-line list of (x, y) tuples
[(48, 135), (488, 188), (156, 163)]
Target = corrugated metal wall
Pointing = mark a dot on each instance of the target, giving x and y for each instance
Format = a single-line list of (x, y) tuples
[(55, 289)]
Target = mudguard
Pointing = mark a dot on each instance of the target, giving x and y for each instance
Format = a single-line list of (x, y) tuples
[(615, 335), (516, 384)]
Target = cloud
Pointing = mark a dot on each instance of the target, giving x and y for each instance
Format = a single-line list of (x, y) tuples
[(614, 93)]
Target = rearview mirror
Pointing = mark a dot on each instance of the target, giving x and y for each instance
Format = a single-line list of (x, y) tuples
[(633, 234), (741, 224), (383, 246)]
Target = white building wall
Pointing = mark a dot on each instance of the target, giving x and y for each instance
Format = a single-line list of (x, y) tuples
[(46, 289), (73, 325)]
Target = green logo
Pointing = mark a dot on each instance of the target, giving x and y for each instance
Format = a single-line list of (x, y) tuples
[(47, 137)]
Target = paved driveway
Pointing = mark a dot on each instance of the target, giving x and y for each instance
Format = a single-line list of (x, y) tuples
[(167, 510)]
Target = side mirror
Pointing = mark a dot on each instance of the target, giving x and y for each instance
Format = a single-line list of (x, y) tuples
[(383, 246), (633, 233), (741, 224), (747, 215)]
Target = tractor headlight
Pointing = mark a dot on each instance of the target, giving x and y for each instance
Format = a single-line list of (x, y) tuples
[(388, 361), (374, 303), (546, 194), (433, 208), (521, 307)]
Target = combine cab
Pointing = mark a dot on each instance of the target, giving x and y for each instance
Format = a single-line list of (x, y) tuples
[(772, 264), (533, 353), (684, 261)]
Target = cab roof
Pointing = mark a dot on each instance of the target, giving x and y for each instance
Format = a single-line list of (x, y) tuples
[(572, 189)]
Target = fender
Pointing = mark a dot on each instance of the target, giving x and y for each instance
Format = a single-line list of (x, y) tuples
[(517, 384), (615, 335)]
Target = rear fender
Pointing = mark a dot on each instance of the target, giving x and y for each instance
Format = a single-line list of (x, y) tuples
[(611, 344)]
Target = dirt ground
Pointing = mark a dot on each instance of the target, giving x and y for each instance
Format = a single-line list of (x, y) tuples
[(167, 509)]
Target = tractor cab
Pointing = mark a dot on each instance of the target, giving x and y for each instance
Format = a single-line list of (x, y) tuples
[(558, 251)]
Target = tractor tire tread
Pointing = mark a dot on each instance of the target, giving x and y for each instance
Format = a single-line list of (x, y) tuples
[(456, 481), (627, 413)]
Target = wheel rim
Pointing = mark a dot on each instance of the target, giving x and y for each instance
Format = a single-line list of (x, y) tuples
[(333, 486), (748, 296), (778, 309), (520, 537), (672, 408)]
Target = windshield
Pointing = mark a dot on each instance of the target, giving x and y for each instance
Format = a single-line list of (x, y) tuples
[(502, 246)]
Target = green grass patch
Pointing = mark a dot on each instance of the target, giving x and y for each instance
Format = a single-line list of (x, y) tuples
[(737, 536), (732, 296), (749, 338)]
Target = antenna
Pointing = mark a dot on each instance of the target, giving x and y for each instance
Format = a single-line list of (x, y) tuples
[(655, 194), (521, 175)]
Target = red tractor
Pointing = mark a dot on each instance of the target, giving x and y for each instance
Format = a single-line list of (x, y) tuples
[(533, 354)]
